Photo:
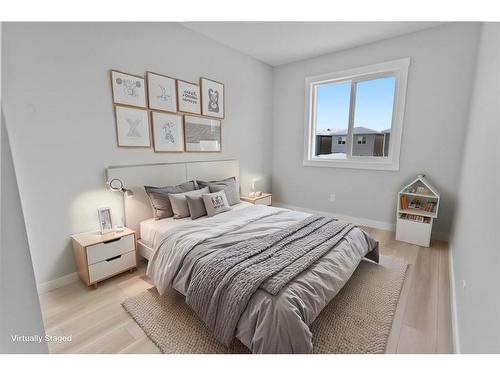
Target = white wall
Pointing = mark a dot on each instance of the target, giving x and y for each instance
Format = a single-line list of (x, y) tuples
[(58, 104), (437, 103), (20, 308), (475, 236)]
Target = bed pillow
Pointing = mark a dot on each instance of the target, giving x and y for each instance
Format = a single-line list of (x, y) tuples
[(229, 185), (160, 202), (179, 203), (196, 207), (216, 203)]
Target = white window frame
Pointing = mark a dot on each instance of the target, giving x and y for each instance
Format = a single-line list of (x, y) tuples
[(395, 68)]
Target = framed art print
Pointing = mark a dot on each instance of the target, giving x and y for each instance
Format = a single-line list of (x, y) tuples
[(168, 133), (212, 98), (132, 127), (202, 134), (105, 222), (128, 89), (188, 95), (162, 92)]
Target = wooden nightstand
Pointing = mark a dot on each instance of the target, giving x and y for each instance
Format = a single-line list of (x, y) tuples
[(264, 199), (101, 256)]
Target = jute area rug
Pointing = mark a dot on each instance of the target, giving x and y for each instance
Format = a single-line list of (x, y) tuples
[(357, 320)]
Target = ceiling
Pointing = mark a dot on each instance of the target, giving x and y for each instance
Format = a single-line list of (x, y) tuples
[(277, 43)]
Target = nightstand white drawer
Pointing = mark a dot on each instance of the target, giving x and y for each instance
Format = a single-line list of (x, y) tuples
[(266, 201), (105, 250), (111, 266)]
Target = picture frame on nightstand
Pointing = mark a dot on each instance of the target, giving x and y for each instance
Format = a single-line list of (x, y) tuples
[(105, 221)]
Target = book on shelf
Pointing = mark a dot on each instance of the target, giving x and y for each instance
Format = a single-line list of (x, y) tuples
[(417, 218), (430, 207), (404, 203), (417, 204)]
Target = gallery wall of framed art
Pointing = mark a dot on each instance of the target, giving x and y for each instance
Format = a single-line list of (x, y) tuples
[(167, 114)]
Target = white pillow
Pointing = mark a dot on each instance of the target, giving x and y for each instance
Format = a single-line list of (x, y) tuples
[(179, 202), (216, 203)]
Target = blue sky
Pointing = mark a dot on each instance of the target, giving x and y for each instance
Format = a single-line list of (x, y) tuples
[(374, 100)]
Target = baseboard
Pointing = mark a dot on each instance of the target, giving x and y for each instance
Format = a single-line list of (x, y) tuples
[(441, 236), (453, 303), (57, 283), (357, 220)]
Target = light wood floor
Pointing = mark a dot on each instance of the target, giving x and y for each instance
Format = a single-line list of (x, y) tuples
[(98, 324)]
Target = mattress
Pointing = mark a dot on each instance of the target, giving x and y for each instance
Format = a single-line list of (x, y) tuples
[(151, 229)]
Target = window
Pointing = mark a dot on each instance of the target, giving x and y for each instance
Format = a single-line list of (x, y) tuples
[(355, 117)]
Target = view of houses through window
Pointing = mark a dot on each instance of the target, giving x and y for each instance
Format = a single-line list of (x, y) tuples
[(371, 117)]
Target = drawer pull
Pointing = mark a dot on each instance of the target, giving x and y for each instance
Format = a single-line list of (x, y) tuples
[(113, 240), (116, 257)]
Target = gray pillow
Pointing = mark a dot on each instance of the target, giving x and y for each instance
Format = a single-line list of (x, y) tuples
[(158, 196), (179, 202), (196, 207), (216, 203), (229, 185)]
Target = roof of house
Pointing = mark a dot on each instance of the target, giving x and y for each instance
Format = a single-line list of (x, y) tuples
[(421, 178), (357, 130), (324, 132)]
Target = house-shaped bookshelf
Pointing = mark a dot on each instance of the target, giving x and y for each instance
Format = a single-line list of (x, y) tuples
[(418, 205)]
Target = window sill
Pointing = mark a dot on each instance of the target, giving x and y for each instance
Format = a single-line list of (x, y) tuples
[(352, 164)]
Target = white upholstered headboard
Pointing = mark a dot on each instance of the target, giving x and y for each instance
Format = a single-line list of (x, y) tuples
[(134, 177)]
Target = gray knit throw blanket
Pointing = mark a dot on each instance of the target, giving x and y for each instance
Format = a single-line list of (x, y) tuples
[(222, 286)]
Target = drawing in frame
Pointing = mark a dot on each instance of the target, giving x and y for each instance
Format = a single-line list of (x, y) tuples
[(168, 132), (188, 97), (128, 89), (162, 92), (105, 222), (212, 98), (132, 127), (202, 134)]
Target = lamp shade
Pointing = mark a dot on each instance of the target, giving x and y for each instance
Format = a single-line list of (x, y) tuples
[(117, 185)]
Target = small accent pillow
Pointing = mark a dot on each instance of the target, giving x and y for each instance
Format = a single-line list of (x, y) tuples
[(216, 203), (229, 185), (179, 202), (196, 207), (160, 202)]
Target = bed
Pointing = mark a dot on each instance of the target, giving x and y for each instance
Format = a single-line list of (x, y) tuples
[(269, 309)]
